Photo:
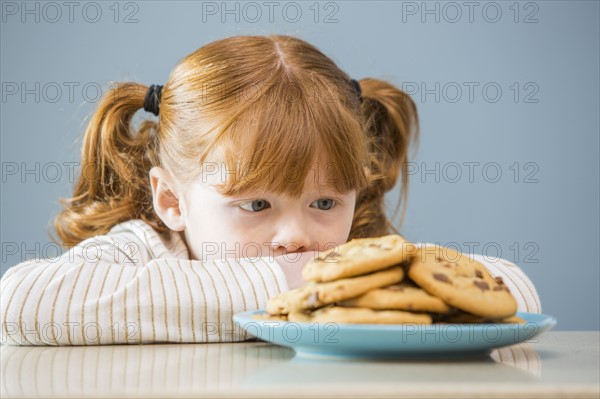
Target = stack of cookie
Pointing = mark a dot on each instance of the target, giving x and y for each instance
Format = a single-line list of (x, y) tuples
[(388, 280)]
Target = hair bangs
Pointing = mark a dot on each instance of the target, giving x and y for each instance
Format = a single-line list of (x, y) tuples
[(284, 134)]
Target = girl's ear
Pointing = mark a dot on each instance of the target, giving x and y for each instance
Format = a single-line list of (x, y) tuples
[(166, 199)]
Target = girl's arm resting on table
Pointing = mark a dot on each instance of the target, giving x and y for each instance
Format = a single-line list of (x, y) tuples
[(79, 301)]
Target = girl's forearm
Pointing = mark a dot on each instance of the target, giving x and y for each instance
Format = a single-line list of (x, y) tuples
[(80, 302)]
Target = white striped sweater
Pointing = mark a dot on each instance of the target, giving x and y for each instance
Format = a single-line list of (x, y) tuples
[(131, 287)]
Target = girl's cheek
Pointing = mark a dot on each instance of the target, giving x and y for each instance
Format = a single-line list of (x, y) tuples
[(247, 222)]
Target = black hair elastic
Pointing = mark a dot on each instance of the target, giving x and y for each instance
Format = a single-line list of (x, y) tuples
[(152, 99), (357, 89)]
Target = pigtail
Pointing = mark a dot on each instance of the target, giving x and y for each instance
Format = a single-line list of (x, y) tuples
[(113, 184), (392, 126)]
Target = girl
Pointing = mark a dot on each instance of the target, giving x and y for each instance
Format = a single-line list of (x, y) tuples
[(264, 153)]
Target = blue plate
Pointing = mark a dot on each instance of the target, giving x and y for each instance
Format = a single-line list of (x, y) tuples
[(394, 340)]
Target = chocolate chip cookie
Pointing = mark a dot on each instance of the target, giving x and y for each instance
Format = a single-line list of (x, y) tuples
[(358, 256), (467, 318), (337, 314), (461, 282), (401, 296), (315, 295)]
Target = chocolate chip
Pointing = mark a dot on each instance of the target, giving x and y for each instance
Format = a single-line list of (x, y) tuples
[(482, 285), (498, 288), (478, 273), (438, 259), (441, 277), (499, 280)]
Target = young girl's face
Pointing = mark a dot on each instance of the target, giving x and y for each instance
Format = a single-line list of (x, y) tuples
[(257, 224)]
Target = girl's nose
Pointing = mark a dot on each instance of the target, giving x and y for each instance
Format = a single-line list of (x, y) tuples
[(292, 235)]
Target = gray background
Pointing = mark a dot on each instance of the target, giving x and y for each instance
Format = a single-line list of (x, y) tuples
[(545, 218)]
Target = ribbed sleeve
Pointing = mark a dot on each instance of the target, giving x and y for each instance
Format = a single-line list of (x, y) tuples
[(85, 299)]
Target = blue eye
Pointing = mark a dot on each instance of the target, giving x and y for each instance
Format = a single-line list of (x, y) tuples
[(323, 204), (256, 205), (326, 203)]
